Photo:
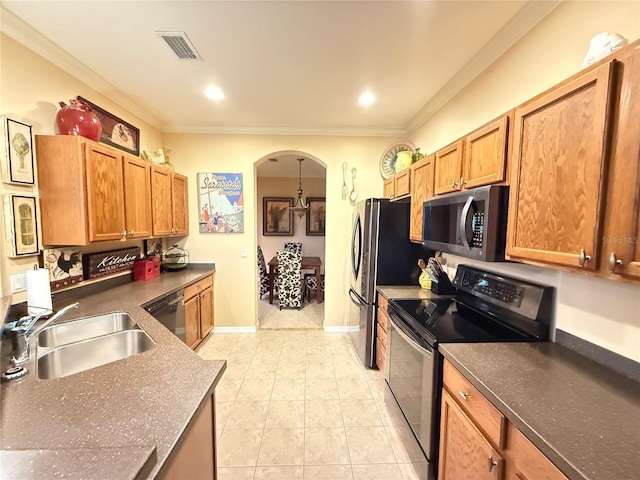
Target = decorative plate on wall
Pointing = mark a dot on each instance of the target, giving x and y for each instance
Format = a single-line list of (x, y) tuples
[(388, 160)]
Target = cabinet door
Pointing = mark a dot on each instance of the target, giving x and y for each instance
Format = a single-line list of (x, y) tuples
[(137, 198), (105, 194), (162, 219), (402, 184), (621, 239), (387, 188), (206, 312), (559, 158), (486, 155), (421, 190), (192, 321), (464, 452), (449, 168), (180, 204), (526, 462)]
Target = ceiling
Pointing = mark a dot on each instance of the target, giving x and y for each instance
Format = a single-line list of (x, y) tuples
[(290, 67)]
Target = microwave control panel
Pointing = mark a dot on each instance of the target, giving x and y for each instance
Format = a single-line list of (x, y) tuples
[(478, 229)]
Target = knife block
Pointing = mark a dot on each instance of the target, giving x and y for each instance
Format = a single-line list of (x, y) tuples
[(443, 287)]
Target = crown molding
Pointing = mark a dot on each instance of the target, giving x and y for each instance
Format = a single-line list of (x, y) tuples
[(287, 131), (16, 28), (523, 21)]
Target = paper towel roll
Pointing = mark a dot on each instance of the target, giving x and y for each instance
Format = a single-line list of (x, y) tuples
[(39, 292)]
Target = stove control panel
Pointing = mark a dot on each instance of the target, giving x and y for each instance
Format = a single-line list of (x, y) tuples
[(498, 289)]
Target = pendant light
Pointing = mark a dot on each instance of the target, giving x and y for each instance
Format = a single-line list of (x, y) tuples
[(300, 208)]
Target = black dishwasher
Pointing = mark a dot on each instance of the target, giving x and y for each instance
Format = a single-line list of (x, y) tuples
[(169, 311)]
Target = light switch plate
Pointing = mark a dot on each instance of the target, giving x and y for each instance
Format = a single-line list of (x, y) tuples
[(243, 253), (18, 282)]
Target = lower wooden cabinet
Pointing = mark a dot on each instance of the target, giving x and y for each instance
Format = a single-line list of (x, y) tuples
[(381, 334), (198, 311), (195, 454), (477, 442)]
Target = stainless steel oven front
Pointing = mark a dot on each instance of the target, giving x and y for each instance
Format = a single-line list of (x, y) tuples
[(413, 378)]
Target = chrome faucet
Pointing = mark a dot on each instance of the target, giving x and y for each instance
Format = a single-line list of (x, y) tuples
[(21, 335)]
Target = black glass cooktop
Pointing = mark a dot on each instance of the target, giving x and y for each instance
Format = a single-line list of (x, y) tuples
[(448, 321)]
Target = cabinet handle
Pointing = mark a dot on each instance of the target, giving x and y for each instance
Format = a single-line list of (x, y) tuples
[(464, 395), (613, 262), (583, 258), (124, 234), (462, 181), (131, 232), (454, 184), (491, 463)]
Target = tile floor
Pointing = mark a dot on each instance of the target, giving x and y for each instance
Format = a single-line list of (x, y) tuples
[(310, 316), (296, 403)]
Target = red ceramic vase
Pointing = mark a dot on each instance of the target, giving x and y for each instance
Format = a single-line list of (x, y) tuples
[(78, 119)]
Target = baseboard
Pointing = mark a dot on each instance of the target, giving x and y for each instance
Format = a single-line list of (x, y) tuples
[(340, 329), (252, 329)]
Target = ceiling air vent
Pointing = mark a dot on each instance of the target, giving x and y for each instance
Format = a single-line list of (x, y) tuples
[(180, 44)]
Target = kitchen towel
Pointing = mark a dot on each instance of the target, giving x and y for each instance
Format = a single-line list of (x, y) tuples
[(39, 292)]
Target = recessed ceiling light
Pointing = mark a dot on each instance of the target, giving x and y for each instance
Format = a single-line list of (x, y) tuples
[(214, 93), (366, 99)]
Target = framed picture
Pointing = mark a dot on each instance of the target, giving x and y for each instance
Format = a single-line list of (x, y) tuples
[(115, 131), (277, 217), (17, 152), (65, 267), (316, 216), (22, 225), (152, 246), (220, 203)]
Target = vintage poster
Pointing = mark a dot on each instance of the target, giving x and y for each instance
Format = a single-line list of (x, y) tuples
[(220, 203)]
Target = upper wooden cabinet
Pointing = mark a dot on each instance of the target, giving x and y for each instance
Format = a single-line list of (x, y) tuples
[(558, 170), (84, 187), (169, 202), (449, 168), (478, 159), (398, 186), (422, 174), (621, 235)]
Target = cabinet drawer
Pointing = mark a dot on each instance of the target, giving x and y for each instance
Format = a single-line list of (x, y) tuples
[(196, 288), (383, 303), (383, 319), (381, 335), (526, 462), (478, 408), (381, 355)]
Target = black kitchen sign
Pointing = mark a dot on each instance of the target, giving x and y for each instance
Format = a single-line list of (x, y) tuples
[(105, 263)]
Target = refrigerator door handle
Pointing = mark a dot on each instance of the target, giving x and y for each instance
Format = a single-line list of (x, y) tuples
[(355, 299)]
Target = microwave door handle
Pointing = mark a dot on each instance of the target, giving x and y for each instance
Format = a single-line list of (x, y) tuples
[(463, 222)]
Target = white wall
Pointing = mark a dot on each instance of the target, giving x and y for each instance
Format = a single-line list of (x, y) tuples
[(312, 245), (601, 311)]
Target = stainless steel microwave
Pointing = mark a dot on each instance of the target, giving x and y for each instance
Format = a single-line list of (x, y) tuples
[(472, 223)]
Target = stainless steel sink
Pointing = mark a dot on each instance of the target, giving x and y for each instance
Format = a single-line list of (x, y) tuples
[(94, 352), (84, 328)]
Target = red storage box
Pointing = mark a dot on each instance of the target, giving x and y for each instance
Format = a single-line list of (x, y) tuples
[(146, 268)]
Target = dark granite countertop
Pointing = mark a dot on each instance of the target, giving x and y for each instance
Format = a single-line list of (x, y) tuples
[(131, 412), (585, 417)]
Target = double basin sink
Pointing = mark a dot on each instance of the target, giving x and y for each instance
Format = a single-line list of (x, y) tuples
[(78, 345)]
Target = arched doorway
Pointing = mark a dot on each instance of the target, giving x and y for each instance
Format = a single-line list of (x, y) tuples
[(278, 177)]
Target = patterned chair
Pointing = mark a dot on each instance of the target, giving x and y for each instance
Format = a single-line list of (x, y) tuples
[(262, 270), (289, 284), (295, 247), (310, 284)]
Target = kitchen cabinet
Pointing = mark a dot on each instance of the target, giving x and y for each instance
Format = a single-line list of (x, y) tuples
[(382, 322), (478, 159), (558, 169), (476, 440), (621, 235), (198, 311), (422, 174), (90, 192), (398, 186), (169, 203), (195, 455)]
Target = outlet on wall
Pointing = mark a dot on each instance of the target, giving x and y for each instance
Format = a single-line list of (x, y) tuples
[(18, 282), (243, 253)]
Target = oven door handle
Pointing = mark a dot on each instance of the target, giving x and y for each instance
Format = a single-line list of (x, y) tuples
[(408, 339)]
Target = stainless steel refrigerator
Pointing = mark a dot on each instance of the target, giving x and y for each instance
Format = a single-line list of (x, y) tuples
[(381, 254)]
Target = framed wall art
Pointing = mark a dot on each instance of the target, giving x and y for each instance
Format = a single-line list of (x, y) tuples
[(316, 215), (115, 131), (65, 267), (220, 203), (277, 216), (17, 152), (22, 225)]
